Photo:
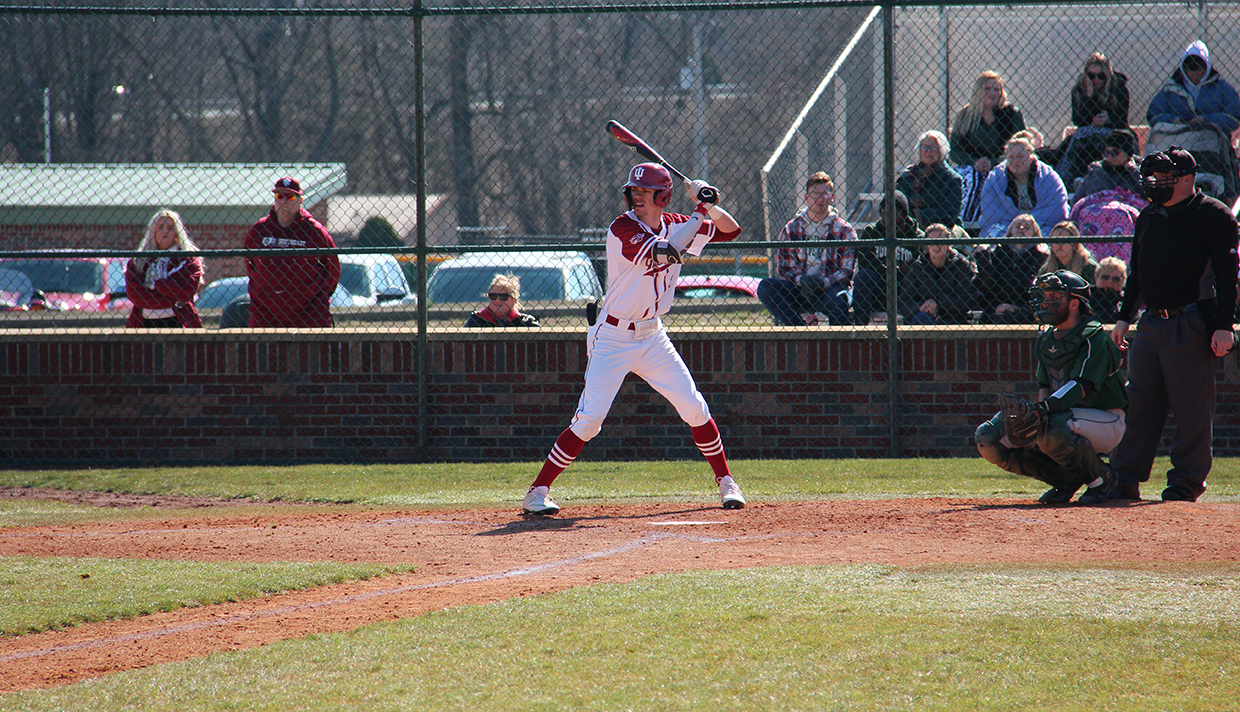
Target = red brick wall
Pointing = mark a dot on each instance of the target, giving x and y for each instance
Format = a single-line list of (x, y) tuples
[(114, 398)]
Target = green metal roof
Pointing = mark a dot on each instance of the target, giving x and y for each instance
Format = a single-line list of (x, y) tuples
[(128, 194)]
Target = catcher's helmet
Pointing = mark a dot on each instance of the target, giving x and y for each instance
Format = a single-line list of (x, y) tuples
[(654, 177), (1065, 282)]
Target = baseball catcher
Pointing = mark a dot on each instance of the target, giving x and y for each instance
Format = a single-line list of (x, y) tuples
[(1080, 412)]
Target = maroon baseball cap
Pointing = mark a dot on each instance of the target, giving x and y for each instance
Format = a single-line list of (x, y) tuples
[(287, 185)]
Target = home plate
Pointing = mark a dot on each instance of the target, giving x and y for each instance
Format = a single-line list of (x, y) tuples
[(682, 524)]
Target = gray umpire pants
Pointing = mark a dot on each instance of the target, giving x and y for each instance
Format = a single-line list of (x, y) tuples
[(1170, 368)]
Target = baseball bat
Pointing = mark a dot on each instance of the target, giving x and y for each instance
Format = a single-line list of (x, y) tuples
[(635, 142), (632, 140)]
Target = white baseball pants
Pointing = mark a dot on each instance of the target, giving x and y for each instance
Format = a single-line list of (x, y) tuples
[(614, 352)]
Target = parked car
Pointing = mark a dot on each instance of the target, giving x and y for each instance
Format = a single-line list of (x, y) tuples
[(706, 286), (374, 280), (87, 283), (222, 292), (545, 276)]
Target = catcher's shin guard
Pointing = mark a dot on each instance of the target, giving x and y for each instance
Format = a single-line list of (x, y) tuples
[(1073, 453), (1029, 463)]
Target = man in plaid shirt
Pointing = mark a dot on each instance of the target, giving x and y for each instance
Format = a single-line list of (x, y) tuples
[(811, 285)]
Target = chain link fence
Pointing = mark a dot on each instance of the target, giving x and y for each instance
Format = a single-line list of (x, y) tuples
[(452, 152)]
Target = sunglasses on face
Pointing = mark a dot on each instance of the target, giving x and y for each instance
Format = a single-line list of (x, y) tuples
[(286, 196), (1111, 151), (498, 296), (1110, 278), (1096, 75)]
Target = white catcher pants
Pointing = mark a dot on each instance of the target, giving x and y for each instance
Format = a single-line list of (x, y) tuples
[(614, 352)]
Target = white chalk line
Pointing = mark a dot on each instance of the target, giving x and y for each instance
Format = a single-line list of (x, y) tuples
[(342, 600)]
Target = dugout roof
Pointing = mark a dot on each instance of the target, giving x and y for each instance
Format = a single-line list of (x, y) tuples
[(128, 194)]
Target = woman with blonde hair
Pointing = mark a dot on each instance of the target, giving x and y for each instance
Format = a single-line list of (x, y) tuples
[(502, 305), (1072, 256), (1006, 271), (981, 129), (163, 287)]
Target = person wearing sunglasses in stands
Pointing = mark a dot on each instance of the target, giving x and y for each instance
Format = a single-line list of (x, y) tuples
[(501, 307), (290, 291), (1108, 288)]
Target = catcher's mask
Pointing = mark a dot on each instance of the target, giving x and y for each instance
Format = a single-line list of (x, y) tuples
[(1170, 167), (1049, 295), (652, 176)]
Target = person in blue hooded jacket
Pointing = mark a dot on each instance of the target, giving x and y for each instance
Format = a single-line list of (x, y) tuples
[(1196, 94)]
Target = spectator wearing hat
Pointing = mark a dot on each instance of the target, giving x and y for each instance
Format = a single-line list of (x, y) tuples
[(1180, 236), (1117, 169), (1196, 94), (290, 291), (870, 281)]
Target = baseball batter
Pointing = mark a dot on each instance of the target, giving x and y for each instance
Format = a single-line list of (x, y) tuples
[(644, 248)]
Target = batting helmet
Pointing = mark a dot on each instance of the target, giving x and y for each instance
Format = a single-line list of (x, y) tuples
[(654, 177), (1065, 282)]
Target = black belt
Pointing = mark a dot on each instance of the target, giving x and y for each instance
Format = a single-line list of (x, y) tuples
[(1169, 313), (616, 322)]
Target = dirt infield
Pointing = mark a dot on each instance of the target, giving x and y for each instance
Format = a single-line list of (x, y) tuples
[(478, 556)]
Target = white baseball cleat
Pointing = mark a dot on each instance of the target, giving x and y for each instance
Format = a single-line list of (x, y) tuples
[(730, 494), (538, 501)]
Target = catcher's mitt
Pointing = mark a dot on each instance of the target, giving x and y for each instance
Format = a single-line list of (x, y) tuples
[(1023, 421)]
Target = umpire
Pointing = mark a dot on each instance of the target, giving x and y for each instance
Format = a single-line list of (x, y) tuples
[(1184, 269)]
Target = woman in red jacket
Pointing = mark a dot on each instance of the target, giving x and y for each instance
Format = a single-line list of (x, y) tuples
[(163, 288)]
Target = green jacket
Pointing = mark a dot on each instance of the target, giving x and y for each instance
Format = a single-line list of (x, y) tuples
[(1081, 368)]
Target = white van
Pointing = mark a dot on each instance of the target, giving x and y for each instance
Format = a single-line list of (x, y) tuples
[(375, 280), (563, 277)]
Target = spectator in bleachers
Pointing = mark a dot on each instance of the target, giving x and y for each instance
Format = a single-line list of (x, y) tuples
[(1117, 169), (1100, 96), (1099, 106), (938, 288), (1196, 94), (812, 281), (979, 132), (1005, 273), (870, 281), (1022, 184), (933, 189), (1108, 289), (503, 305), (164, 286), (1071, 256)]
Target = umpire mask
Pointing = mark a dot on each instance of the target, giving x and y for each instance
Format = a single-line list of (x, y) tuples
[(1160, 171)]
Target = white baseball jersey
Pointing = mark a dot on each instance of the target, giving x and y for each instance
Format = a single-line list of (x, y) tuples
[(628, 337), (639, 288)]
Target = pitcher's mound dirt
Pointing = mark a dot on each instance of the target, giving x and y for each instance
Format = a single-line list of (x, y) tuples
[(478, 556)]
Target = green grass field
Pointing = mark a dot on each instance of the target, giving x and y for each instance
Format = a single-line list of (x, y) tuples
[(975, 637)]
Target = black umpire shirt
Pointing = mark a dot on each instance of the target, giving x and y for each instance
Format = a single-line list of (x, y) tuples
[(1173, 250)]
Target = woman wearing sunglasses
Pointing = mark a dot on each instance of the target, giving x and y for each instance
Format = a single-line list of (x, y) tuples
[(1108, 289), (501, 307), (1100, 95), (1099, 106)]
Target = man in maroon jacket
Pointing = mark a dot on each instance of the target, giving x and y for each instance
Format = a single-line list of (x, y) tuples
[(290, 291)]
